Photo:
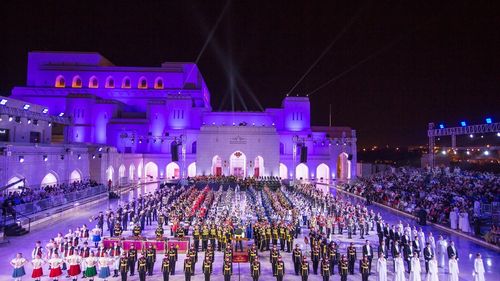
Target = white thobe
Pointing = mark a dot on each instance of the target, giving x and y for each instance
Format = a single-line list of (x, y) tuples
[(415, 270), (478, 270), (433, 244), (421, 237), (382, 269), (453, 219), (399, 274), (433, 271), (453, 269), (442, 252)]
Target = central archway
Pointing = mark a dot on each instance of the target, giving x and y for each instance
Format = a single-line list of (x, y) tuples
[(343, 167), (131, 172), (283, 171), (217, 166), (237, 164), (302, 171), (49, 179), (109, 173), (258, 169), (192, 170), (151, 171), (173, 171), (75, 176), (323, 173)]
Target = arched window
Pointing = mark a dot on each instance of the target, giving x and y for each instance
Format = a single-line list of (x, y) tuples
[(126, 83), (93, 83), (143, 83), (110, 82), (159, 83), (60, 83), (77, 82), (193, 147)]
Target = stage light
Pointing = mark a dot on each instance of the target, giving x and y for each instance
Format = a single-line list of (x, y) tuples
[(441, 126), (463, 123), (50, 124), (45, 158), (100, 149), (26, 106), (29, 121), (93, 156), (45, 110), (79, 157), (498, 134), (10, 118), (471, 136), (3, 102), (488, 120), (468, 152), (443, 152), (21, 159), (486, 152), (61, 114)]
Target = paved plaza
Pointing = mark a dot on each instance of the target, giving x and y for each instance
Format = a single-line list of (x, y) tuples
[(80, 215)]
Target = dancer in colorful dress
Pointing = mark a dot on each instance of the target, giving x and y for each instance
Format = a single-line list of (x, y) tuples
[(55, 264), (96, 235), (18, 263), (37, 264), (104, 263), (91, 263), (74, 262)]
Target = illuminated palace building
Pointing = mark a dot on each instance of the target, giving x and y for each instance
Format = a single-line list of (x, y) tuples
[(79, 116)]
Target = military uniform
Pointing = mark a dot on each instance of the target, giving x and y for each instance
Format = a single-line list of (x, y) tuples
[(255, 270), (343, 269), (165, 267), (150, 260), (280, 270), (188, 269), (118, 230), (207, 269), (227, 270), (297, 258), (365, 269), (132, 258), (142, 268), (315, 260), (325, 270), (159, 232), (351, 251), (304, 270), (124, 267), (172, 259)]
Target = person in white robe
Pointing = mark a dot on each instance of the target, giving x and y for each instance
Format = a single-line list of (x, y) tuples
[(382, 268), (415, 269), (453, 269), (399, 272), (432, 241), (478, 268), (433, 270), (421, 237), (465, 222), (442, 251), (454, 219)]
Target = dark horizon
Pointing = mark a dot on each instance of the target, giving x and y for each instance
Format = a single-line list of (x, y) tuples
[(428, 62)]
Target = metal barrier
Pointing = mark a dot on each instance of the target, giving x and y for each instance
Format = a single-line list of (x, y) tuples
[(59, 200)]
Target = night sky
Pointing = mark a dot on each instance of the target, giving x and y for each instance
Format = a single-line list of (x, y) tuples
[(430, 61)]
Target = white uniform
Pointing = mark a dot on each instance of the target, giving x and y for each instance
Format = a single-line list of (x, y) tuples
[(478, 270), (454, 219), (399, 274), (432, 241), (433, 271), (442, 252), (382, 269), (415, 270), (453, 268)]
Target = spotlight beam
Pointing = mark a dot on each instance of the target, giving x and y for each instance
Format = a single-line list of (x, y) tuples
[(210, 35), (366, 59), (327, 49)]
